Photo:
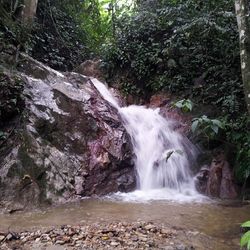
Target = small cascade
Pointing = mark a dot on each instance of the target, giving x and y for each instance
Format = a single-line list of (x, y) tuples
[(162, 155)]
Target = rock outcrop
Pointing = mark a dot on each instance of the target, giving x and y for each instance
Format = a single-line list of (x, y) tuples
[(91, 68), (217, 180), (182, 122), (70, 142)]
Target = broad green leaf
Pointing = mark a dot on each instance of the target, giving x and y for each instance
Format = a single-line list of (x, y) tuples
[(169, 154), (178, 104), (218, 123), (245, 239), (189, 105), (206, 120), (194, 125), (246, 224), (215, 129)]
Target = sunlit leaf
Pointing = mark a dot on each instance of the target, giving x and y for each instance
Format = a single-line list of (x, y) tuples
[(246, 224), (245, 239)]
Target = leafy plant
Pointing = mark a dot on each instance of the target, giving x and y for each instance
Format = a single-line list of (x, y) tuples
[(57, 39), (206, 126), (11, 97), (170, 152), (185, 105), (238, 134), (157, 49), (245, 239)]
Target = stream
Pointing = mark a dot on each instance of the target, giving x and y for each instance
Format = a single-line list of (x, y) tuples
[(217, 222)]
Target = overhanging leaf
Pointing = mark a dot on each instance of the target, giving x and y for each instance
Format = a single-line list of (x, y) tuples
[(218, 123), (194, 125), (245, 239), (246, 224), (169, 154), (215, 129)]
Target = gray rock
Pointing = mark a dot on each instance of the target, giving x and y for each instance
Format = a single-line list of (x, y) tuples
[(70, 142), (181, 247), (169, 248)]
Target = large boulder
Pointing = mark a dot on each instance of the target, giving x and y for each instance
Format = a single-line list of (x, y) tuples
[(70, 142), (217, 180)]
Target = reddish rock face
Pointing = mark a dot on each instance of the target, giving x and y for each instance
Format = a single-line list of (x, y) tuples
[(217, 181), (164, 102), (70, 143)]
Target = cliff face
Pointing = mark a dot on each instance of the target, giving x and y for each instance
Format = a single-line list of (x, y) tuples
[(70, 142)]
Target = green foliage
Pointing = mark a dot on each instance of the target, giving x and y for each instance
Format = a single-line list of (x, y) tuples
[(189, 47), (185, 105), (13, 31), (57, 39), (245, 239), (207, 127), (11, 97), (98, 20), (238, 134), (93, 19)]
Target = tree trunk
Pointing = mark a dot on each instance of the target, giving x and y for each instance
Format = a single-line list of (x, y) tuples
[(29, 10), (243, 19)]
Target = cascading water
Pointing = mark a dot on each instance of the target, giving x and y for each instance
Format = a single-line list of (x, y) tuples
[(162, 155)]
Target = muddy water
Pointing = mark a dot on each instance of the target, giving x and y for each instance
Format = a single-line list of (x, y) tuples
[(219, 222)]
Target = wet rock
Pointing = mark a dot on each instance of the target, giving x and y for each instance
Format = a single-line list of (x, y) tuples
[(149, 227), (228, 189), (164, 103), (71, 142), (60, 242), (219, 180), (90, 68), (79, 185), (181, 247), (201, 179), (12, 236)]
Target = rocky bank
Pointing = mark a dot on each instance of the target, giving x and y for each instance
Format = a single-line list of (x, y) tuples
[(115, 235), (69, 142)]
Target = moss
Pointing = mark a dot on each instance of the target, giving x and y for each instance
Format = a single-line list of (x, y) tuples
[(29, 167)]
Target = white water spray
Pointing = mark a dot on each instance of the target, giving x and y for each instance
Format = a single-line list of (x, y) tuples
[(162, 155)]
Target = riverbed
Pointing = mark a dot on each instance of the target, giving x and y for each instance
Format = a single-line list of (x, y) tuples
[(214, 221)]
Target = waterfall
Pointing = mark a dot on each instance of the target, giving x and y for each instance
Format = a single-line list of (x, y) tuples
[(162, 155)]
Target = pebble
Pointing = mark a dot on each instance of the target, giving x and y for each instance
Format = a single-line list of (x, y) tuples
[(149, 227), (60, 242), (9, 236), (181, 247), (169, 248), (114, 243), (120, 235)]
